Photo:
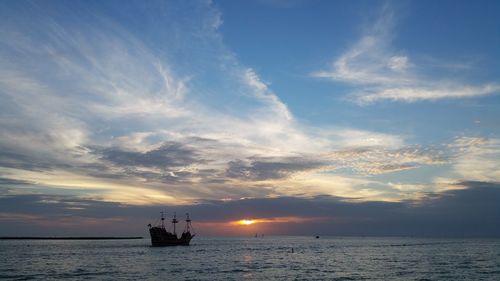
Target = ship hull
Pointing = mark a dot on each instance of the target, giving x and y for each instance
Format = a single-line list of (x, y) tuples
[(161, 238)]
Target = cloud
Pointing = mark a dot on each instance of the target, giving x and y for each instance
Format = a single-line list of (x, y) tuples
[(345, 137), (126, 118), (431, 92), (473, 211), (264, 94), (476, 158), (379, 160), (398, 63), (379, 73), (169, 154), (450, 213), (268, 168)]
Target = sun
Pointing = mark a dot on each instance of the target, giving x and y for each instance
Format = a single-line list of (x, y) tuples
[(246, 222)]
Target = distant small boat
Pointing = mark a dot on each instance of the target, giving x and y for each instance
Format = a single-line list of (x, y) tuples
[(160, 237)]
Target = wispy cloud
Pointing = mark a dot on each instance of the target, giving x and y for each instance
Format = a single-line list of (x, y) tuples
[(379, 160), (114, 116), (477, 159), (378, 72)]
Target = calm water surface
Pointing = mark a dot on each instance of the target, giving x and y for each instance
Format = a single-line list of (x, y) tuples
[(268, 258)]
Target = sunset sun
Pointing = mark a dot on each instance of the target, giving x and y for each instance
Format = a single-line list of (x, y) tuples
[(246, 222)]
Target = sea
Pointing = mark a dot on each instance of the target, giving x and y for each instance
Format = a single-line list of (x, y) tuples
[(250, 258)]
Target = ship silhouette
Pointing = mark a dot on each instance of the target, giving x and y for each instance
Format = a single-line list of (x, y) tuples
[(160, 237)]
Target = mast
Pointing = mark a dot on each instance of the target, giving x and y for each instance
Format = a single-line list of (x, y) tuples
[(188, 223), (162, 220), (174, 221)]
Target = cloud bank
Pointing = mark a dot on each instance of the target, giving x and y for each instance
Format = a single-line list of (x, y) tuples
[(468, 212)]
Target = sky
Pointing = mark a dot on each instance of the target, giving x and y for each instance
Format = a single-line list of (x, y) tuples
[(303, 117)]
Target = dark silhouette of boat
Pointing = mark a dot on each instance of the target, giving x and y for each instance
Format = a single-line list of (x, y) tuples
[(160, 237)]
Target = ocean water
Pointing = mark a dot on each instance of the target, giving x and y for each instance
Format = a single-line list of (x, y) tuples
[(267, 258)]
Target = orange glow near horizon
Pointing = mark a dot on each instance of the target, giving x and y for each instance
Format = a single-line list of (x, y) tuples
[(248, 222), (250, 226)]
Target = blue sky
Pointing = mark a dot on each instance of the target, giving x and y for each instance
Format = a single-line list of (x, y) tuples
[(196, 104)]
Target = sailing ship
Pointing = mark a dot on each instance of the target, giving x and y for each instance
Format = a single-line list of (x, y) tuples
[(160, 237)]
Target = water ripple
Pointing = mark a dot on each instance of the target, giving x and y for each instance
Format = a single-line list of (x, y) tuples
[(269, 258)]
